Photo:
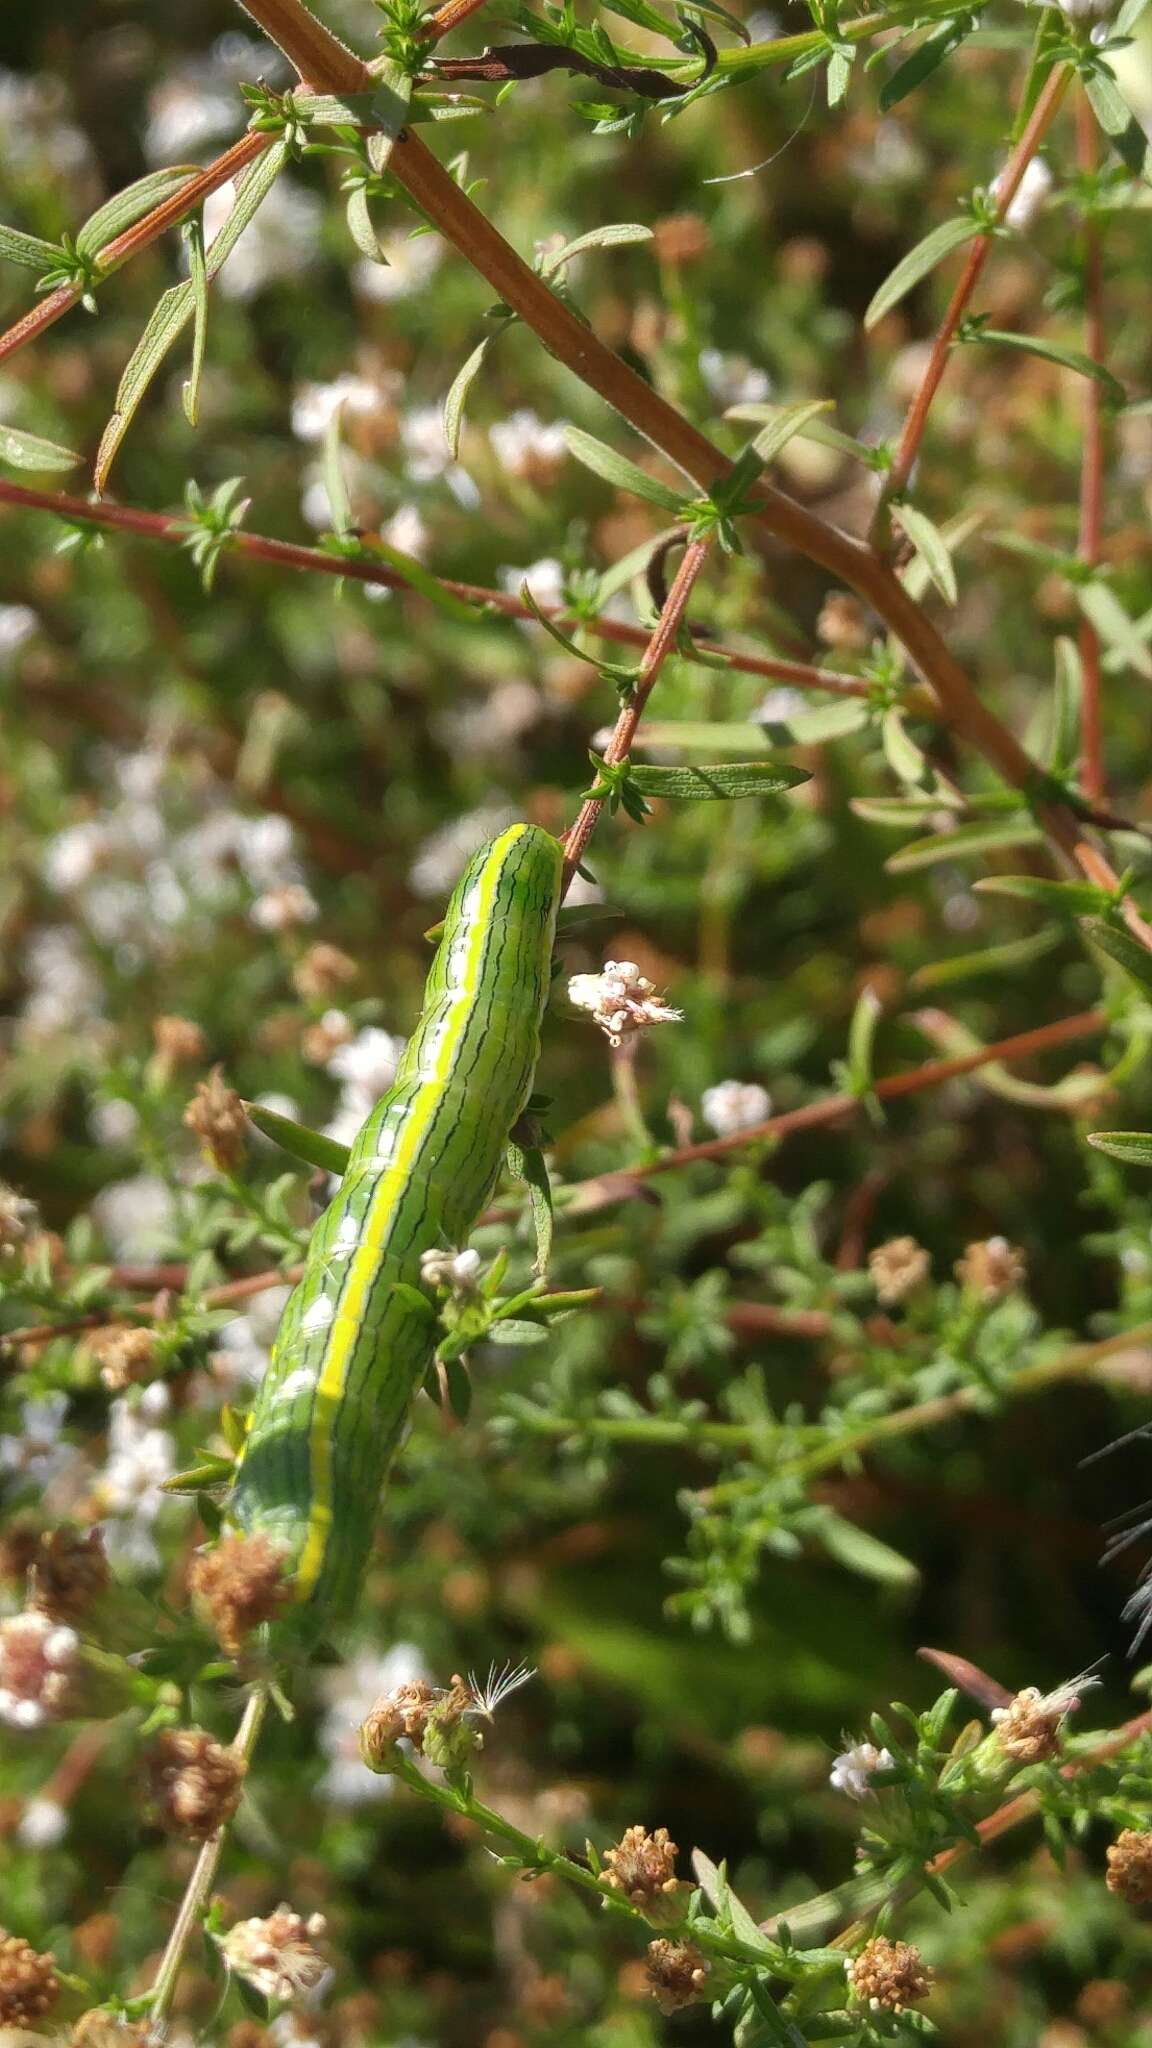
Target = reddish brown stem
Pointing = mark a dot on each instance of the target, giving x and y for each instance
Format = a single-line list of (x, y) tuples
[(660, 646), (1091, 467), (447, 18), (176, 207), (1008, 184), (283, 554)]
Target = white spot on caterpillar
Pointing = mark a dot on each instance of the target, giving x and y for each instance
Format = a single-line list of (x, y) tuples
[(319, 1315), (297, 1382)]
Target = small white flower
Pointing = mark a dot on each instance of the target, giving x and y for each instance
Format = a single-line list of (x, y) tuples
[(284, 908), (74, 855), (734, 1106), (43, 1824), (18, 622), (1029, 196), (407, 532), (39, 1453), (135, 1216), (733, 380), (409, 265), (446, 851), (426, 452), (852, 1772), (458, 1270), (524, 442), (367, 1064), (621, 1000), (140, 1456), (314, 404), (545, 579)]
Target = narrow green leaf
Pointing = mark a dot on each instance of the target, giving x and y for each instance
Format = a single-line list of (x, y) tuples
[(895, 812), (950, 235), (812, 726), (198, 279), (933, 52), (815, 429), (609, 237), (390, 104), (30, 451), (1063, 748), (311, 1147), (617, 470), (176, 307), (335, 482), (125, 208), (931, 547), (1126, 951), (1054, 352), (1002, 959), (28, 250), (458, 393), (861, 1038), (964, 843), (787, 421), (1133, 1147), (1103, 609), (420, 578), (904, 757), (360, 226), (1079, 899), (527, 1163), (864, 1553), (1107, 101), (724, 780)]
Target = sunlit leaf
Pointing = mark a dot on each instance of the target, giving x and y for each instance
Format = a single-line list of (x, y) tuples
[(950, 235)]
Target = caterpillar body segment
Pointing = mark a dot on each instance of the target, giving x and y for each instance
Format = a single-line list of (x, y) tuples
[(353, 1344)]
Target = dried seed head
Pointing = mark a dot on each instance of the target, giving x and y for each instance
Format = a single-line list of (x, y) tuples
[(126, 1355), (888, 1974), (1029, 1728), (643, 1867), (178, 1041), (897, 1268), (843, 623), (195, 1782), (322, 972), (677, 1973), (284, 908), (1104, 2003), (28, 1984), (402, 1712), (1130, 1867), (680, 238), (621, 1000), (216, 1114), (991, 1269), (240, 1584), (69, 1574), (101, 2029), (277, 1956)]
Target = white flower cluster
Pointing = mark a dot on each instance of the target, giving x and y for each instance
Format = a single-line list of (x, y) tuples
[(735, 1106), (852, 1772), (458, 1270), (128, 1490), (621, 1000), (365, 1066), (406, 266), (525, 445), (37, 1659)]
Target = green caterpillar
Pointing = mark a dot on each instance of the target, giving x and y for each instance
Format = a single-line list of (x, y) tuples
[(354, 1342)]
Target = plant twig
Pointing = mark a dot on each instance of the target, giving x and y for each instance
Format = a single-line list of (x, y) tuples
[(166, 527), (194, 1904), (662, 643), (1007, 185), (1091, 464)]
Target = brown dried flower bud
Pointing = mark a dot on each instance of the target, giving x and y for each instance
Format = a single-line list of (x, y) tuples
[(897, 1268), (888, 1974), (28, 1983), (991, 1269), (216, 1114), (680, 238), (1104, 2003), (1029, 1728), (68, 1574), (320, 1041), (322, 972), (277, 1956), (643, 1867), (406, 1711), (178, 1041), (677, 1973), (240, 1584), (449, 1740), (843, 623), (196, 1783), (1130, 1867), (126, 1354)]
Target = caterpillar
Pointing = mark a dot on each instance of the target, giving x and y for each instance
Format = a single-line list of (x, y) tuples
[(355, 1340)]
